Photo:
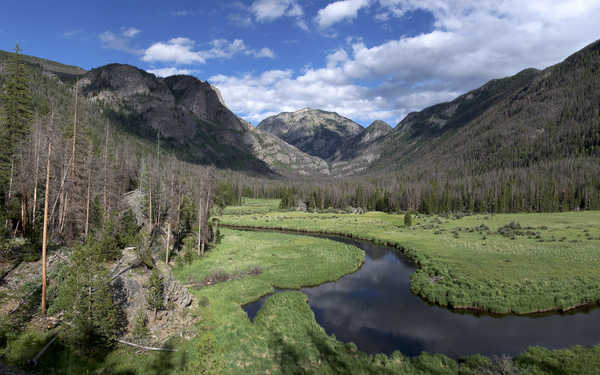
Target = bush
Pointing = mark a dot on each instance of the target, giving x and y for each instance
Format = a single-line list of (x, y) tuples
[(408, 219), (86, 298), (20, 348), (140, 329), (208, 359), (155, 294)]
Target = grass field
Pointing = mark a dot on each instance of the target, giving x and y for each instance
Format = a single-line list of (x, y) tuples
[(284, 337), (509, 263), (455, 255)]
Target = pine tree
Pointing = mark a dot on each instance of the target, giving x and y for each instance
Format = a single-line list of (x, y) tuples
[(408, 219), (17, 113), (154, 297), (86, 298)]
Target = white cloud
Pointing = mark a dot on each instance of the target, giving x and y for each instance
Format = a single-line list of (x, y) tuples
[(177, 50), (470, 43), (130, 32), (170, 71), (181, 51), (120, 41), (269, 10), (339, 11)]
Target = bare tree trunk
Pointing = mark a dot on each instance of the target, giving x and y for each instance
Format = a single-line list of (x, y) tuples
[(150, 205), (206, 213), (200, 247), (87, 206), (23, 213), (74, 132), (35, 178), (168, 240), (10, 181), (45, 232), (178, 212), (106, 170), (64, 214)]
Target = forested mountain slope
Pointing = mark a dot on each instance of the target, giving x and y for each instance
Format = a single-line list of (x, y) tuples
[(516, 122), (192, 120)]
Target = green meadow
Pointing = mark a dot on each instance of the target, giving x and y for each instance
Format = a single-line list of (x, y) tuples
[(492, 262), (508, 263)]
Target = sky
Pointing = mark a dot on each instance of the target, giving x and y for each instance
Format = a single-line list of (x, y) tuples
[(365, 59)]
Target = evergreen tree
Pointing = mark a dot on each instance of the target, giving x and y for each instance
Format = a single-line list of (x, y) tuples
[(85, 297), (408, 219), (154, 297), (17, 112)]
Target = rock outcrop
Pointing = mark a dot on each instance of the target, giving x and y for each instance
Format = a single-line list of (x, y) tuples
[(191, 119), (313, 131)]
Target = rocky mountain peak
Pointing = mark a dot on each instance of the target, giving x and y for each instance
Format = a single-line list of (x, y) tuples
[(316, 132)]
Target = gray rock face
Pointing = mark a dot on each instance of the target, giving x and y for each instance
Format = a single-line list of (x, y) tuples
[(358, 152), (191, 119), (313, 131), (132, 286)]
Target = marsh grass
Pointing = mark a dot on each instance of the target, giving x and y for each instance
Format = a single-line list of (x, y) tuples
[(509, 263)]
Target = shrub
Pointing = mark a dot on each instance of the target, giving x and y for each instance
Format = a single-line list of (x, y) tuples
[(408, 219), (86, 298), (208, 359), (155, 294), (140, 329)]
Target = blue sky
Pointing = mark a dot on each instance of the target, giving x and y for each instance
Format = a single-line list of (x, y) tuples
[(365, 59)]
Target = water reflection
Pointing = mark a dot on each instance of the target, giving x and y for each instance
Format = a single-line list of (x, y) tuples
[(375, 309)]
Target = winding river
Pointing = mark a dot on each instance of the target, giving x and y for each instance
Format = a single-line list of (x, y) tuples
[(374, 308)]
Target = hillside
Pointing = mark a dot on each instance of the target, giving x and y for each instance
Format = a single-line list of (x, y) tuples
[(313, 131), (190, 118), (358, 152), (516, 122)]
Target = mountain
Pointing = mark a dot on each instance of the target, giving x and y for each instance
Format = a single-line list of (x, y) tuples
[(358, 152), (313, 131), (189, 117), (50, 68), (523, 121), (534, 117)]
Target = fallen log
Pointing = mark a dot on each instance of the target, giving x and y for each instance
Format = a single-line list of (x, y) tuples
[(146, 347), (35, 359)]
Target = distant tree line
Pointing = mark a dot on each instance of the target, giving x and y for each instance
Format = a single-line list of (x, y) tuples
[(563, 185)]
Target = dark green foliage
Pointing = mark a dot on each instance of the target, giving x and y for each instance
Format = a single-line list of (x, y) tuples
[(117, 234), (408, 219), (155, 294), (140, 329), (577, 360), (227, 195), (86, 298), (207, 359), (129, 229), (17, 112)]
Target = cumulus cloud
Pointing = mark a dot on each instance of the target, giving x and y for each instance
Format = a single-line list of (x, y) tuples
[(269, 10), (470, 43), (130, 32), (339, 11), (170, 71), (121, 40), (181, 51)]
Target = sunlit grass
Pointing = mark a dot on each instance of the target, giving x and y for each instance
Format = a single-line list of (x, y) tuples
[(550, 262)]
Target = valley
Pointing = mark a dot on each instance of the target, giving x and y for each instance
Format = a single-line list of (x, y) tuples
[(148, 228)]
